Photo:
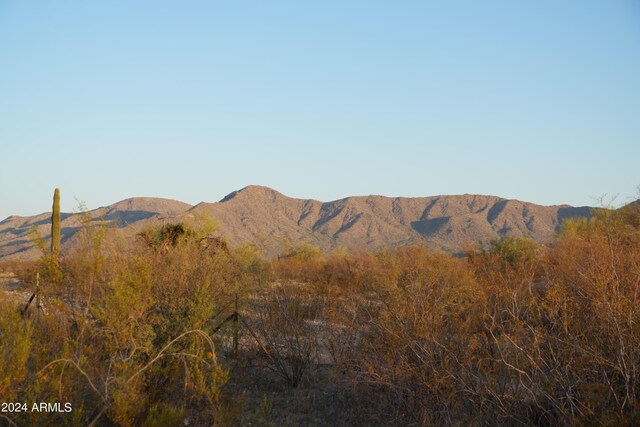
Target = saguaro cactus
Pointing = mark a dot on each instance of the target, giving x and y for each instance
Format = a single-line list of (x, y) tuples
[(55, 225)]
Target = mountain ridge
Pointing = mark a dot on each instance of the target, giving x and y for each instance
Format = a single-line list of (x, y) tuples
[(271, 220)]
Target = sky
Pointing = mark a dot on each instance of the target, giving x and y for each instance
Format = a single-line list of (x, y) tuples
[(191, 100)]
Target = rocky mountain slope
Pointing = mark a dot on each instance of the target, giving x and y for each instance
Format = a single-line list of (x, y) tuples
[(452, 223), (267, 218), (16, 232)]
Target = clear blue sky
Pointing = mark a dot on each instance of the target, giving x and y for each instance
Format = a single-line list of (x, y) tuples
[(535, 100)]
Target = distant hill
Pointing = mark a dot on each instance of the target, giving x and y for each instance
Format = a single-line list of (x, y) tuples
[(15, 231), (451, 223), (271, 220)]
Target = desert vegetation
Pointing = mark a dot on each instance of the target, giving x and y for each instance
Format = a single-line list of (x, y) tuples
[(176, 327)]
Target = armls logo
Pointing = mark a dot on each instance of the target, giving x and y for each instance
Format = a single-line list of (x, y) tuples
[(51, 407)]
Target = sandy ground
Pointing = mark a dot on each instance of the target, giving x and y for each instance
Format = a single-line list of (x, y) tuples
[(11, 290)]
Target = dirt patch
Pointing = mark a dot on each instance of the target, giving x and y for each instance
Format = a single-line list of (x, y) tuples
[(12, 290), (267, 400)]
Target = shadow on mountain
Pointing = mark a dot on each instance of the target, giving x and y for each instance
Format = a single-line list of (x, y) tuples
[(571, 212), (307, 209), (229, 196), (123, 218), (68, 232), (120, 218), (495, 210), (328, 211), (425, 212), (346, 226), (16, 231), (505, 230), (16, 243), (429, 227), (47, 220), (24, 249)]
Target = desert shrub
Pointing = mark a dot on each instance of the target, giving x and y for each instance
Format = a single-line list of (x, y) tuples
[(284, 331), (127, 333), (165, 237), (494, 339), (163, 415), (411, 360), (348, 271), (514, 333), (299, 263), (338, 270), (15, 266), (591, 308), (252, 268), (512, 250), (15, 340)]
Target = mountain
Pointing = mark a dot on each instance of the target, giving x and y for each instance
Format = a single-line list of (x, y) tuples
[(16, 231), (451, 223), (271, 220)]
